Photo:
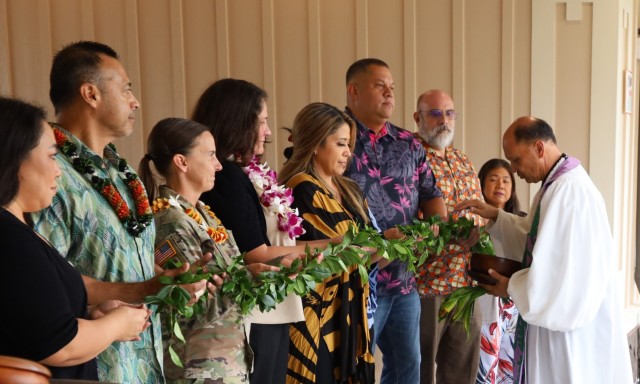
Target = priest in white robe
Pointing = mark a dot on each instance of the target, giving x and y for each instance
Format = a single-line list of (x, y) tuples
[(571, 323)]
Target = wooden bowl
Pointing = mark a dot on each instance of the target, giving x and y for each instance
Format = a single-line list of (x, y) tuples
[(480, 265)]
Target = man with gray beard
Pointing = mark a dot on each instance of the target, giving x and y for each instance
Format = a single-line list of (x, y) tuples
[(445, 344)]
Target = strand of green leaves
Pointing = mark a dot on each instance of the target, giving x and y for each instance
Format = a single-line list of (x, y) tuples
[(460, 303), (270, 288), (414, 249)]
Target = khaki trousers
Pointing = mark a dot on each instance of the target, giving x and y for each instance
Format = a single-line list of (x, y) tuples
[(445, 345)]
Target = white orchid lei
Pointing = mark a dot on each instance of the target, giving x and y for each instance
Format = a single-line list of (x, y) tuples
[(276, 198)]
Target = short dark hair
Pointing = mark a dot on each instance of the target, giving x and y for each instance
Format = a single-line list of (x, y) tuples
[(537, 129), (230, 108), (169, 137), (74, 65), (513, 204), (361, 66), (21, 130)]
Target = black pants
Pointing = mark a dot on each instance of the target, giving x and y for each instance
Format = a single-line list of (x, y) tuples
[(270, 344)]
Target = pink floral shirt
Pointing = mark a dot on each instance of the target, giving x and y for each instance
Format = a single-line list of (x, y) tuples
[(391, 170)]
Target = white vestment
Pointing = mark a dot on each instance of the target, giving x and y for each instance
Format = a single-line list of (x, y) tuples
[(569, 295)]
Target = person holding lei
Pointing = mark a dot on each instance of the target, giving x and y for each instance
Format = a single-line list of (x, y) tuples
[(249, 202), (333, 345), (100, 219), (54, 320), (184, 153)]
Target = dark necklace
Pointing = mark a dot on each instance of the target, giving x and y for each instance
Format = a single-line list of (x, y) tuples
[(555, 165), (135, 222)]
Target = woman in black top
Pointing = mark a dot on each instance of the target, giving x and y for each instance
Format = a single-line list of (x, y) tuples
[(236, 112), (46, 317)]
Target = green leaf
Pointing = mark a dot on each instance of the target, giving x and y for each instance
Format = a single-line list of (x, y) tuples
[(164, 292), (268, 301), (201, 276), (229, 286), (174, 357), (343, 266), (348, 236), (364, 274), (400, 249), (185, 278), (152, 300), (188, 311), (178, 332), (299, 287), (165, 279), (185, 294)]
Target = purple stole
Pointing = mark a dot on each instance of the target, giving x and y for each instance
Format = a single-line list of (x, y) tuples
[(519, 349)]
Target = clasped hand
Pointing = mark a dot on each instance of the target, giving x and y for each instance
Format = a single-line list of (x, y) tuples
[(135, 316)]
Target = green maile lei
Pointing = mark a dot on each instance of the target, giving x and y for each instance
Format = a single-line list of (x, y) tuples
[(271, 288)]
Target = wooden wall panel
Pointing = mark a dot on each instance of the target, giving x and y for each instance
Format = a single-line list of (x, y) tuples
[(519, 83), (409, 45), (337, 48), (292, 58), (482, 86), (200, 49), (292, 74), (107, 25), (245, 41), (314, 77), (74, 15), (434, 46), (6, 87), (30, 50), (521, 79), (385, 42), (573, 83), (157, 88)]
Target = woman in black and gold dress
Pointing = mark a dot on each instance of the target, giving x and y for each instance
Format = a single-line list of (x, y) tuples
[(333, 344)]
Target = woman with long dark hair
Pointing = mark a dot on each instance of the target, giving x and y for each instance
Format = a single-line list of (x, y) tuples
[(498, 316), (49, 321), (248, 200), (333, 345)]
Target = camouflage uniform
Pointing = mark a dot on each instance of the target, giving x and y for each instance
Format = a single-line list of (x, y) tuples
[(217, 349)]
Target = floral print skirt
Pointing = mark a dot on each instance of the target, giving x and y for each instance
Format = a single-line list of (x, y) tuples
[(497, 340)]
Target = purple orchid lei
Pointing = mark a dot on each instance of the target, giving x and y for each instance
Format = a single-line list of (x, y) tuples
[(276, 198)]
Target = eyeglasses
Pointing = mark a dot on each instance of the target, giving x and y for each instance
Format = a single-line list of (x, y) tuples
[(439, 113)]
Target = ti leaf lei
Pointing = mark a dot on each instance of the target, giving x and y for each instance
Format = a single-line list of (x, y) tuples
[(271, 288), (134, 221), (460, 303)]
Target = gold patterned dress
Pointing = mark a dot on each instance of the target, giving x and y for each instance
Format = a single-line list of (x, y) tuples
[(333, 344)]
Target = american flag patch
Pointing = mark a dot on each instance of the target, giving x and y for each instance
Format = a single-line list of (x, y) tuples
[(164, 252)]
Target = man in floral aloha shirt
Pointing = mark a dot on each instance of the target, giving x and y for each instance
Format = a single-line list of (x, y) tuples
[(100, 218), (446, 343), (389, 166)]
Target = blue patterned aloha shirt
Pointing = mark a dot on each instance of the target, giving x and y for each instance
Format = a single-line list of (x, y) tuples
[(81, 225), (392, 171)]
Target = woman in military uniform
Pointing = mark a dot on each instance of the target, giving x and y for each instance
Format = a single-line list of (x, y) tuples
[(184, 153)]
